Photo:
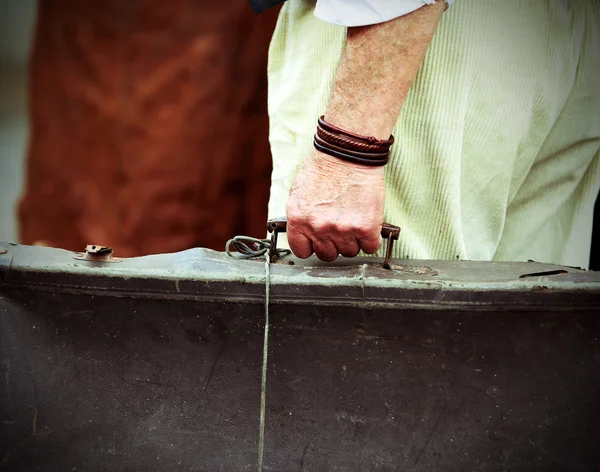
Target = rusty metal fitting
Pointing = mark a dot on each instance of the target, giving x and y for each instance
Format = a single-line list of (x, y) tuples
[(97, 253), (391, 233)]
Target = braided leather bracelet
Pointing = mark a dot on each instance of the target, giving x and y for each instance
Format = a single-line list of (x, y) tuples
[(367, 139), (365, 150)]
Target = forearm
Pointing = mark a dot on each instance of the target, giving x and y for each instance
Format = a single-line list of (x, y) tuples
[(377, 69), (335, 206)]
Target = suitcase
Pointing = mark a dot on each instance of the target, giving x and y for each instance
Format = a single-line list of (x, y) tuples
[(163, 363)]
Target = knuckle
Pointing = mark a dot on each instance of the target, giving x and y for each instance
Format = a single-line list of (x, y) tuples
[(323, 226), (346, 228), (297, 224), (327, 257), (298, 250), (353, 252), (293, 215), (370, 247), (367, 231)]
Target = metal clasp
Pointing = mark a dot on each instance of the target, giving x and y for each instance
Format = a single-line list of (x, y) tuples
[(97, 253), (279, 225)]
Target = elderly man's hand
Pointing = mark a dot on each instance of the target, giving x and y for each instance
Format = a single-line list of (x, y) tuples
[(335, 207)]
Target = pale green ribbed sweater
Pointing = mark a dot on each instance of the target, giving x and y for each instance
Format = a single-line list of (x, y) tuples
[(497, 146)]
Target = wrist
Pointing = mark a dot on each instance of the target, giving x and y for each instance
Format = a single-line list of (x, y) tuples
[(379, 126)]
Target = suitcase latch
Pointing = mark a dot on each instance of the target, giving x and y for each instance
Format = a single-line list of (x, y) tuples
[(97, 253)]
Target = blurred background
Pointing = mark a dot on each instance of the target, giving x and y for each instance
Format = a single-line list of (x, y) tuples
[(141, 125), (16, 31)]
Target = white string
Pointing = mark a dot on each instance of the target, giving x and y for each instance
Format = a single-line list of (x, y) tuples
[(263, 391), (249, 248)]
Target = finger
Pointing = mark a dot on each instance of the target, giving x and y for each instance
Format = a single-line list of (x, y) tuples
[(325, 250), (348, 247), (370, 244), (300, 245)]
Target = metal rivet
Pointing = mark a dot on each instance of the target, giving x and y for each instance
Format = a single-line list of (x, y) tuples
[(97, 253)]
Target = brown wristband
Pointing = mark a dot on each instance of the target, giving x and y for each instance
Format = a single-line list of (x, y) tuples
[(356, 137), (365, 150), (349, 157), (361, 154)]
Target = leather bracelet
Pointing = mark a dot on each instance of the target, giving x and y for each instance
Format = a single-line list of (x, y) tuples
[(349, 143), (362, 155), (366, 139), (365, 150), (348, 157)]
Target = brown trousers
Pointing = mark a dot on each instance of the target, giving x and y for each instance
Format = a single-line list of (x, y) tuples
[(148, 125)]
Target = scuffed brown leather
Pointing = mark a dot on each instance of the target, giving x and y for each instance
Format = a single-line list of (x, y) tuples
[(148, 125)]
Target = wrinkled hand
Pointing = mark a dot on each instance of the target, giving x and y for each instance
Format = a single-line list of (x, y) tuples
[(335, 207)]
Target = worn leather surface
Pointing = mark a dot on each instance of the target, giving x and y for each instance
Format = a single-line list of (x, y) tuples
[(155, 364), (148, 125)]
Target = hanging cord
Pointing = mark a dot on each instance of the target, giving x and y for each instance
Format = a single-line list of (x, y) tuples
[(250, 248), (263, 383)]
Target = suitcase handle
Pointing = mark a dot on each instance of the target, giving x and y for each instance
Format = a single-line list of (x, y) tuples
[(279, 225)]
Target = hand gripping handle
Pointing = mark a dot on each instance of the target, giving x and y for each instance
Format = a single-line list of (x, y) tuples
[(279, 225)]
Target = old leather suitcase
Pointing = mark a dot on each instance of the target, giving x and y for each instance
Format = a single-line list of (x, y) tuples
[(156, 364)]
